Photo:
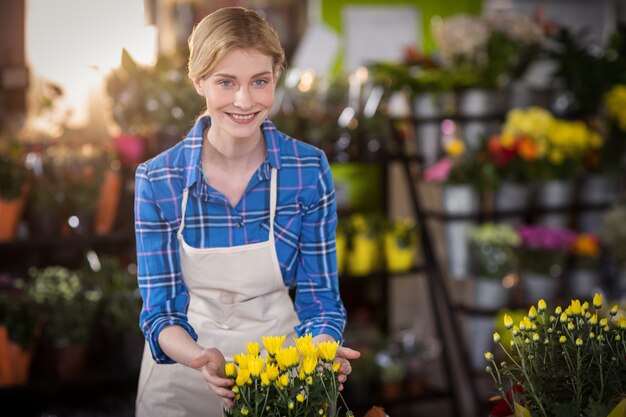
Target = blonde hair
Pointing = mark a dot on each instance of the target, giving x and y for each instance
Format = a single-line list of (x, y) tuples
[(226, 29)]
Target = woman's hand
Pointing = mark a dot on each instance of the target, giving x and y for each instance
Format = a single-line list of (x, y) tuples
[(211, 363), (344, 355)]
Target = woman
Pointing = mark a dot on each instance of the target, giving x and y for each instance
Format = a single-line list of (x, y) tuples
[(226, 221)]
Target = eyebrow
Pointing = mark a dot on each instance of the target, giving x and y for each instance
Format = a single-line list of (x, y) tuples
[(260, 74)]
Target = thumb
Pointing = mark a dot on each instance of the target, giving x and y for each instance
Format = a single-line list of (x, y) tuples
[(346, 352)]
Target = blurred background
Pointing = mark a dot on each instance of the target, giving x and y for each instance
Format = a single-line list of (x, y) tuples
[(478, 150)]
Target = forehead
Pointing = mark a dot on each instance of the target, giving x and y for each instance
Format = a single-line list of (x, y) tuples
[(243, 62)]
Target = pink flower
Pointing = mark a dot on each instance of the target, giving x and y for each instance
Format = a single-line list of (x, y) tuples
[(440, 171)]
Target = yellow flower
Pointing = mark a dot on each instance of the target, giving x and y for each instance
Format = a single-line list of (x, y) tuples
[(515, 330), (535, 337), (273, 343), (327, 350), (604, 322), (284, 380), (496, 337), (579, 341), (309, 364), (243, 377), (621, 323), (593, 319), (542, 306), (508, 321), (265, 380), (558, 310), (597, 300), (255, 365), (455, 147), (235, 389), (489, 356), (305, 345), (272, 371), (253, 349), (336, 366), (244, 411), (532, 313), (570, 326), (287, 357), (576, 308), (290, 405), (300, 398), (241, 360), (230, 369), (563, 317), (614, 310), (562, 339)]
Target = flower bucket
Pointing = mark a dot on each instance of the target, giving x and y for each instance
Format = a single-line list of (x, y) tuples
[(428, 139), (478, 102), (14, 361), (555, 194), (341, 243), (512, 197), (460, 199), (538, 286), (490, 294), (479, 330), (458, 253), (108, 201), (430, 105), (582, 282), (363, 257), (597, 189), (11, 214), (398, 258)]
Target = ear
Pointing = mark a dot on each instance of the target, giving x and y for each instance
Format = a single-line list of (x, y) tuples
[(199, 84)]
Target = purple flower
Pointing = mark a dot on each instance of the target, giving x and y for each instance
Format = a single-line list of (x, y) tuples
[(546, 238)]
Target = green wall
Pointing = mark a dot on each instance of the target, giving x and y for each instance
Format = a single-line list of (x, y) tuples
[(331, 12)]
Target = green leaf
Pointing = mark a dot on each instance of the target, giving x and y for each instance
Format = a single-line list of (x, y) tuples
[(619, 410)]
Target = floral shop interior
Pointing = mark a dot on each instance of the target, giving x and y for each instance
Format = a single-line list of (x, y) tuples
[(478, 155)]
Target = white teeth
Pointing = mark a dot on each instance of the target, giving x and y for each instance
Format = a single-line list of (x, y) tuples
[(242, 116)]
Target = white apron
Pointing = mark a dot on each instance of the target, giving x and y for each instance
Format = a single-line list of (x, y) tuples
[(237, 295)]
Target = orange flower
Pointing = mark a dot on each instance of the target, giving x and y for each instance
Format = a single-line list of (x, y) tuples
[(527, 149), (586, 245)]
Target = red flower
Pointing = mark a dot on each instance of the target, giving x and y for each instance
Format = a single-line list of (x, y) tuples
[(502, 408)]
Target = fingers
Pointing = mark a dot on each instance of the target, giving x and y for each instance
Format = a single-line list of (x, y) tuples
[(346, 352)]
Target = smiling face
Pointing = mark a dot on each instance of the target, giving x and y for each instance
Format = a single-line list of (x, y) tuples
[(239, 94)]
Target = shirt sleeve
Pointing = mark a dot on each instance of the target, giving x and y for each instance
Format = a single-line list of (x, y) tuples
[(318, 302), (165, 296)]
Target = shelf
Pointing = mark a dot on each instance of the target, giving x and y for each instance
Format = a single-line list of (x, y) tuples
[(117, 237), (381, 275)]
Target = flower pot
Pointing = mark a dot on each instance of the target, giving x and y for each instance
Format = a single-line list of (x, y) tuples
[(458, 254), (479, 332), (537, 286), (363, 257), (64, 362), (108, 202), (398, 258), (14, 361), (428, 142), (555, 194), (478, 102), (11, 214), (490, 294), (597, 189), (460, 199), (583, 282), (430, 105), (512, 197), (341, 243)]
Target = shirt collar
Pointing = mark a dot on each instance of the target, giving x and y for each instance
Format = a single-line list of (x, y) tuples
[(193, 142)]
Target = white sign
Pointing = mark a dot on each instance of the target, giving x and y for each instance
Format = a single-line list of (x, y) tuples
[(379, 33)]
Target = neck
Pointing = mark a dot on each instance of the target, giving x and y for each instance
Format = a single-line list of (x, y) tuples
[(233, 152)]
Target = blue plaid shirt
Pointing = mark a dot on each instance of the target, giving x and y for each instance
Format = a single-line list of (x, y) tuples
[(304, 230)]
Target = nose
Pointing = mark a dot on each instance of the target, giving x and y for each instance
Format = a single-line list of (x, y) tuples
[(243, 98)]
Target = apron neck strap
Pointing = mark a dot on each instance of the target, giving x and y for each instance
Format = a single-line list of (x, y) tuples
[(183, 208), (273, 198)]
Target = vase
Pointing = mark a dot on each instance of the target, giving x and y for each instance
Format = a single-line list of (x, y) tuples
[(582, 283), (10, 214), (511, 201), (538, 285), (479, 335), (490, 294), (428, 142), (459, 200), (431, 105), (478, 102)]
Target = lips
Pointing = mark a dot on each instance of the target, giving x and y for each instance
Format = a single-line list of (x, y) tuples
[(242, 117)]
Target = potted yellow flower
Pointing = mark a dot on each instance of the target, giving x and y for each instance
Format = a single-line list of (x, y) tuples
[(571, 362), (400, 243), (295, 381)]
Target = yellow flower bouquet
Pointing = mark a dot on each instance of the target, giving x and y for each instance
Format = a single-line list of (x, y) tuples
[(294, 381), (571, 362)]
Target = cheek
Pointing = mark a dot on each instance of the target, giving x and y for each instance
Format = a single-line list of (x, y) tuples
[(265, 97)]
